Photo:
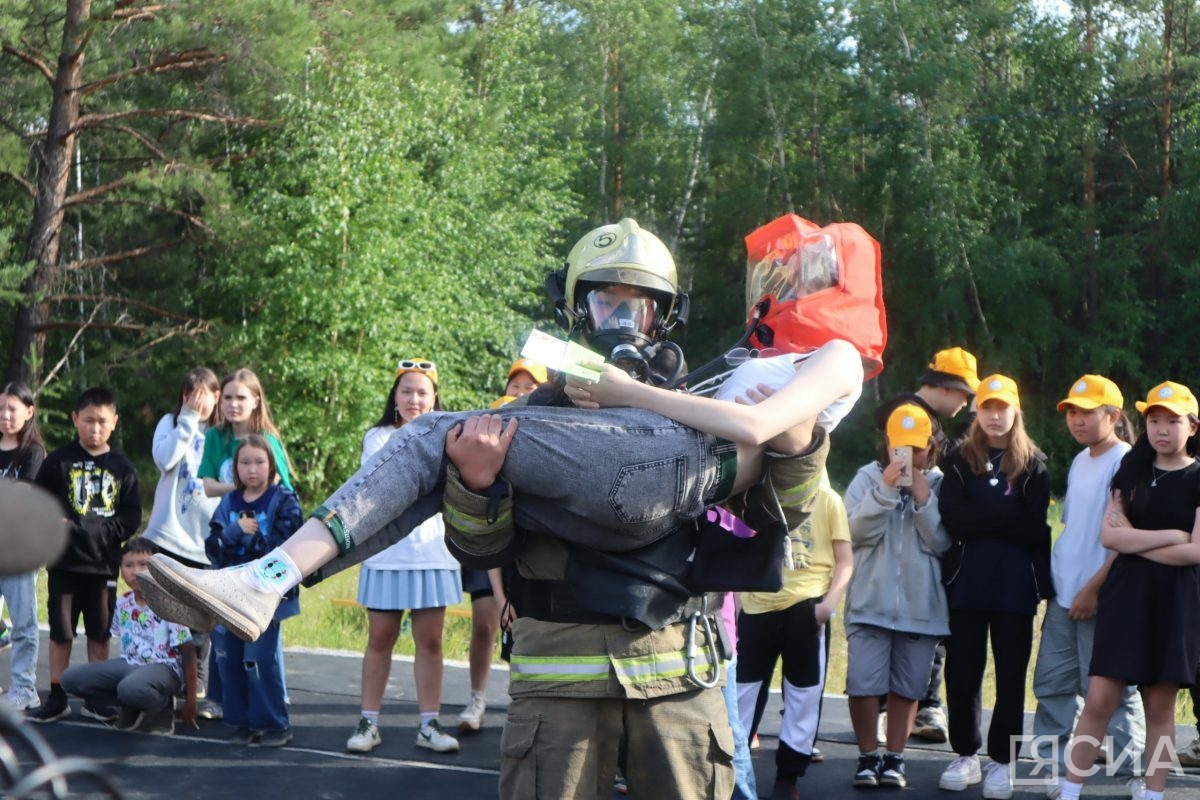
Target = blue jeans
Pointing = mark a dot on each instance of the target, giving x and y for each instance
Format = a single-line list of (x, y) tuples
[(252, 680), (20, 593), (611, 479), (745, 787)]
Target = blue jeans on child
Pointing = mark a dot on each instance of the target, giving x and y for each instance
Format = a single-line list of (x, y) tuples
[(20, 592), (252, 680)]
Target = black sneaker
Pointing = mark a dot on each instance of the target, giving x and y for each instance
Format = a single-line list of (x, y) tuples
[(274, 738), (129, 718), (100, 712), (160, 723), (892, 772), (244, 735), (867, 774), (55, 707)]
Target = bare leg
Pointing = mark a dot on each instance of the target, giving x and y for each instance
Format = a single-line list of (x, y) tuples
[(1159, 701), (60, 659), (311, 547), (427, 665), (485, 623), (864, 711), (383, 628), (97, 651), (1103, 697), (901, 713)]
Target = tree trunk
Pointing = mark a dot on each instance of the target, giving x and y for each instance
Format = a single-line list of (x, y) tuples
[(53, 173)]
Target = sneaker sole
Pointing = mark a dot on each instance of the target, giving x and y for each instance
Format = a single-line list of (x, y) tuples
[(106, 719), (66, 712), (169, 608), (175, 584), (466, 726), (363, 748), (935, 735), (861, 784), (956, 786), (429, 746)]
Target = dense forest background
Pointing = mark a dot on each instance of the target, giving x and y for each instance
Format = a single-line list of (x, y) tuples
[(316, 189)]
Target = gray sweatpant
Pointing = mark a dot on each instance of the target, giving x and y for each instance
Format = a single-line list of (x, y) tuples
[(146, 687)]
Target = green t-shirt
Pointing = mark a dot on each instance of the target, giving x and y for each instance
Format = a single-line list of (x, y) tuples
[(220, 445)]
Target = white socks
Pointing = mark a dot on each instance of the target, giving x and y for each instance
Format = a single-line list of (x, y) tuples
[(274, 572)]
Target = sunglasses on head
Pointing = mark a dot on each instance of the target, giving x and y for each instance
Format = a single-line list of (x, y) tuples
[(420, 366)]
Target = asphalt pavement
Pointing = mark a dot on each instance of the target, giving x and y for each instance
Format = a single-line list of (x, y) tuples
[(323, 688)]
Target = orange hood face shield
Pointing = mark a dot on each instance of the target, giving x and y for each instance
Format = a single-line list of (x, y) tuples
[(818, 284)]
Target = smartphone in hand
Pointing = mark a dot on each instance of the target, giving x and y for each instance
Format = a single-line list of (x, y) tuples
[(904, 457)]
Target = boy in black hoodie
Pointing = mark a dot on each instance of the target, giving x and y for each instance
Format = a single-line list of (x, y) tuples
[(97, 486)]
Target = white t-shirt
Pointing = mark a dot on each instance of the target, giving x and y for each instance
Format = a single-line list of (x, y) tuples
[(1078, 554), (425, 547), (775, 372)]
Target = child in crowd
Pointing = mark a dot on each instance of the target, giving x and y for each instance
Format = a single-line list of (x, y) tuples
[(178, 523), (257, 516), (947, 386), (98, 488), (21, 454), (488, 596), (792, 623), (523, 377), (1079, 564), (1146, 631), (896, 611), (157, 661), (993, 501), (244, 410), (417, 574)]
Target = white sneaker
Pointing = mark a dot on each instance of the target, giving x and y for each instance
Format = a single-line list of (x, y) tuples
[(1189, 754), (223, 593), (22, 698), (432, 737), (1136, 788), (997, 781), (365, 737), (471, 718), (963, 772), (1053, 788), (930, 724)]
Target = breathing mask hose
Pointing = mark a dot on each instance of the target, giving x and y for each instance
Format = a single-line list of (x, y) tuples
[(718, 363)]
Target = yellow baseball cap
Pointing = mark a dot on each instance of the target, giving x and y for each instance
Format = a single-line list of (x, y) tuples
[(1093, 391), (909, 426), (1174, 397), (535, 370), (998, 387), (421, 365), (954, 368)]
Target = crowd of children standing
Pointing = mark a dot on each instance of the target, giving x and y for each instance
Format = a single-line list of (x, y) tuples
[(941, 546)]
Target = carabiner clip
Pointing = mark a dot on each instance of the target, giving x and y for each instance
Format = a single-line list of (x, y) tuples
[(710, 648)]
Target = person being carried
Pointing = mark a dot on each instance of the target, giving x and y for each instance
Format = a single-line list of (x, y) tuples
[(157, 661)]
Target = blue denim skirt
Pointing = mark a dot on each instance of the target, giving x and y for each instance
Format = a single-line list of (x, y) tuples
[(400, 589)]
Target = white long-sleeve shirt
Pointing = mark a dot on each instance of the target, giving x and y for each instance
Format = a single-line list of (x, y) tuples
[(179, 520)]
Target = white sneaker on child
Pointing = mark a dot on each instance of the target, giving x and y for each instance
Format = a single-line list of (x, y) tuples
[(432, 737), (997, 781), (962, 772), (365, 737), (471, 718), (22, 698)]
